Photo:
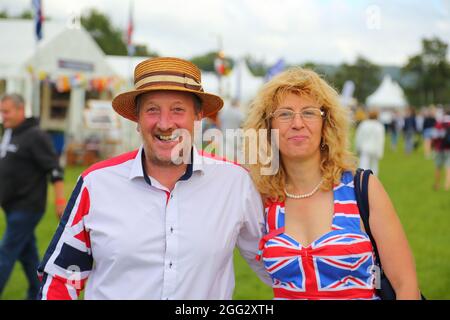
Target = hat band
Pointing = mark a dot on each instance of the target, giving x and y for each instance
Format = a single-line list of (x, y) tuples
[(168, 80)]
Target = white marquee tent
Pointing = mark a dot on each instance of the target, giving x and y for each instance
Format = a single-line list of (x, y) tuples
[(389, 95), (55, 74), (65, 50)]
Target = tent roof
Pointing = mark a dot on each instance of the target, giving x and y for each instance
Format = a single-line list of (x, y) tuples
[(62, 50), (388, 95)]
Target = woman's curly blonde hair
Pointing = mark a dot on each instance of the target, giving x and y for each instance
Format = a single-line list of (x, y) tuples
[(335, 156)]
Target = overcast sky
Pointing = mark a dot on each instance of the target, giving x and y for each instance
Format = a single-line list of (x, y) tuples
[(322, 31)]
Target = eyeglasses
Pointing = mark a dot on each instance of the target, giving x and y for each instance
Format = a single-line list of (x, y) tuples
[(307, 114)]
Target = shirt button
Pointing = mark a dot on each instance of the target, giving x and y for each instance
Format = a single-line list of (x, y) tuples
[(170, 265), (171, 229), (171, 196)]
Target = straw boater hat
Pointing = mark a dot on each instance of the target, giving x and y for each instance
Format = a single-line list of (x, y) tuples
[(165, 74)]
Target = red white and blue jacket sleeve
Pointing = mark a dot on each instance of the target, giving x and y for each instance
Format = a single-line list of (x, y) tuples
[(68, 260)]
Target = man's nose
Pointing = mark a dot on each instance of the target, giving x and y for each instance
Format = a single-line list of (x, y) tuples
[(165, 122)]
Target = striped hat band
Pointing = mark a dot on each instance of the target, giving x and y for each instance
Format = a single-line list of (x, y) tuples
[(167, 78)]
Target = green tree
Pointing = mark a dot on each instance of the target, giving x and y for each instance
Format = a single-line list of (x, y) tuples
[(141, 50), (258, 67), (363, 73), (310, 65), (4, 14), (206, 62), (104, 33), (427, 75), (27, 14)]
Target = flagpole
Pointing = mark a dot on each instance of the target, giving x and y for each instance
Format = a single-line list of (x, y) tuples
[(220, 43), (38, 20), (130, 48), (130, 53)]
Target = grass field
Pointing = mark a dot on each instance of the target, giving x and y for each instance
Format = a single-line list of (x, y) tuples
[(408, 179)]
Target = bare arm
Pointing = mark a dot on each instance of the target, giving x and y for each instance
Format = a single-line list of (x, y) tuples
[(60, 202), (395, 254)]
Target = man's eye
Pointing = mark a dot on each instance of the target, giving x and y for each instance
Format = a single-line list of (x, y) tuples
[(178, 110), (152, 110)]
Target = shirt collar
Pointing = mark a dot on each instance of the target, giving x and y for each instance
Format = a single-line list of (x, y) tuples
[(137, 168)]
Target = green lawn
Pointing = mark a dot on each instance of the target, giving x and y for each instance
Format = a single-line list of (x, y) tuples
[(425, 215)]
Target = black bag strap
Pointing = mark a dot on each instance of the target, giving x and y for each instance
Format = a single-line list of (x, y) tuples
[(362, 199)]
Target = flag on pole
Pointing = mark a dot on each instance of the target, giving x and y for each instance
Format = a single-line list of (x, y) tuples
[(275, 69), (130, 29), (38, 18), (347, 92)]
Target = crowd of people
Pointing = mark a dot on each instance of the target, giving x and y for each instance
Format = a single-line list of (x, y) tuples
[(427, 127)]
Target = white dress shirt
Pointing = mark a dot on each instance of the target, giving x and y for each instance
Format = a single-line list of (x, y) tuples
[(131, 238)]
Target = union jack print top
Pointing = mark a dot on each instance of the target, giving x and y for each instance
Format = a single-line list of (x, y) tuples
[(338, 265)]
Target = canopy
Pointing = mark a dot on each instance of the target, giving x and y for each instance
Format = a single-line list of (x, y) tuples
[(389, 95), (64, 50)]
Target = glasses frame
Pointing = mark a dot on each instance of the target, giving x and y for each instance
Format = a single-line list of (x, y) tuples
[(322, 114)]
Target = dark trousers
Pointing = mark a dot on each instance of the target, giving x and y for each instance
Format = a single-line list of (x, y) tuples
[(19, 243)]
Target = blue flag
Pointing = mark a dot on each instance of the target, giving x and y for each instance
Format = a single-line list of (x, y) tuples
[(38, 18), (275, 69)]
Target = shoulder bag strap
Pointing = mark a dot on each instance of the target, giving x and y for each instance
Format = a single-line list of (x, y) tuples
[(362, 198)]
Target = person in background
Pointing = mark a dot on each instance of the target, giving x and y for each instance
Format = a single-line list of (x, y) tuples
[(441, 148), (397, 127), (231, 118), (409, 130), (369, 139), (428, 128), (360, 115), (385, 117), (27, 161)]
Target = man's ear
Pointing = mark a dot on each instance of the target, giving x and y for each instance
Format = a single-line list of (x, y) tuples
[(22, 111)]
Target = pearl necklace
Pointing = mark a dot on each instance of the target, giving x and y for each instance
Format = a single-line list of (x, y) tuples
[(302, 196)]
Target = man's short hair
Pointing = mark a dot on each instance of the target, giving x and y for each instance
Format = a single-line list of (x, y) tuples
[(16, 98), (197, 104)]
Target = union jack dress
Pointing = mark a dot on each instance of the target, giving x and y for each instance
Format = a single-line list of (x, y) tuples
[(338, 265)]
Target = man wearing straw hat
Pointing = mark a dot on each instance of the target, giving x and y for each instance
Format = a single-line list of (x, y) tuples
[(140, 226)]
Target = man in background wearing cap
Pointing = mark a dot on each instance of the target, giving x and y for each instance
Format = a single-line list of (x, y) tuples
[(139, 226)]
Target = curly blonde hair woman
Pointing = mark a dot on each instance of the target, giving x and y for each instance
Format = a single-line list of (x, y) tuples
[(334, 160), (315, 245)]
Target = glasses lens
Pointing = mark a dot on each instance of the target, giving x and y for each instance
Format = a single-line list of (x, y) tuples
[(283, 115), (307, 114), (311, 113)]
